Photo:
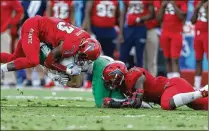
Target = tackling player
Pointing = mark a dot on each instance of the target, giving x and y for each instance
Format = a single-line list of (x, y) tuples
[(172, 14), (200, 19), (72, 63), (66, 40), (138, 84)]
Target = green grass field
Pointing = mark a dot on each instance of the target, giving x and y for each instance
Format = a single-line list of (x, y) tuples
[(34, 109)]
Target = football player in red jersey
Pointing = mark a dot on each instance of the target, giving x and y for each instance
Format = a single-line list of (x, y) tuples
[(200, 19), (172, 14), (62, 9), (138, 84), (66, 40)]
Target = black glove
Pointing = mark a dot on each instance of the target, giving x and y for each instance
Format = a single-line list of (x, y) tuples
[(136, 100)]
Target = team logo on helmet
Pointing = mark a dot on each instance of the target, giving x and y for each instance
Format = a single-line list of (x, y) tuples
[(90, 47), (115, 72)]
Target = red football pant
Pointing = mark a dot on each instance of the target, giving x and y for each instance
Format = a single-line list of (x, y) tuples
[(26, 54), (179, 85), (201, 44), (171, 43)]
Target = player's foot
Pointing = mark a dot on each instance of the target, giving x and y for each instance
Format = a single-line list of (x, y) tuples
[(42, 82), (49, 85), (204, 91), (27, 83), (87, 84)]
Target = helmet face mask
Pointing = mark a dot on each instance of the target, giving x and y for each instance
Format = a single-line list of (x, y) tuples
[(81, 59), (114, 75), (114, 82)]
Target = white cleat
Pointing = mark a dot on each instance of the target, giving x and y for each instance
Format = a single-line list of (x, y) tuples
[(204, 91)]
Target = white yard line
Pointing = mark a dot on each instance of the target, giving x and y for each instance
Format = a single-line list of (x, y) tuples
[(49, 98), (135, 116), (52, 89)]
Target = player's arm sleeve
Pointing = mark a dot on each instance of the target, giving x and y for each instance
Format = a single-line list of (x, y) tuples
[(98, 86), (139, 86), (16, 5), (52, 60)]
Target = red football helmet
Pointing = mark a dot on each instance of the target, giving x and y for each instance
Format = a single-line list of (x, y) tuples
[(89, 50), (113, 74)]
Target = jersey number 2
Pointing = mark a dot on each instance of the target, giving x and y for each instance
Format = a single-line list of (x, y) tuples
[(65, 27)]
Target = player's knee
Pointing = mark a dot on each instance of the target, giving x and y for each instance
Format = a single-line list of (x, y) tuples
[(198, 62), (168, 105), (175, 61), (172, 104), (168, 60)]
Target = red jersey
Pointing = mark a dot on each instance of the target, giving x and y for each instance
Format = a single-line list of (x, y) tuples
[(171, 22), (153, 87), (135, 9), (61, 9), (7, 7), (104, 13), (153, 23), (202, 20), (52, 30)]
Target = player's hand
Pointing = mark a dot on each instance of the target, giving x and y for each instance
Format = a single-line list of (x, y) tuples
[(63, 79), (76, 70), (126, 104), (106, 101), (120, 38), (135, 101)]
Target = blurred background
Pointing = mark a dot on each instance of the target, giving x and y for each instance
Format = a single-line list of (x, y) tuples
[(74, 12)]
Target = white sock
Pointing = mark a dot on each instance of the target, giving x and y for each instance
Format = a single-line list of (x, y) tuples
[(197, 82), (185, 98), (175, 74), (169, 75), (4, 68)]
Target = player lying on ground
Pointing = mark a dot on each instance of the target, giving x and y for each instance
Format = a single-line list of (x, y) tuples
[(66, 40), (138, 84), (99, 90)]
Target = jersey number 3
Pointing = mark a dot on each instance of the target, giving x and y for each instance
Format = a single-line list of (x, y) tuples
[(65, 27)]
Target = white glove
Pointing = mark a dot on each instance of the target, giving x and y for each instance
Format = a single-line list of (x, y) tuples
[(59, 77), (63, 79), (75, 70), (93, 36)]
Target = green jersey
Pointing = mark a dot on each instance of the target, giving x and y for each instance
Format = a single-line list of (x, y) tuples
[(98, 88)]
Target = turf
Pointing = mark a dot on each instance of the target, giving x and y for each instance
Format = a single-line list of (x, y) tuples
[(74, 110)]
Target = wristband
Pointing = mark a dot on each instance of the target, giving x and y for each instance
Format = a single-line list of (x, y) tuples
[(138, 20), (68, 71)]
